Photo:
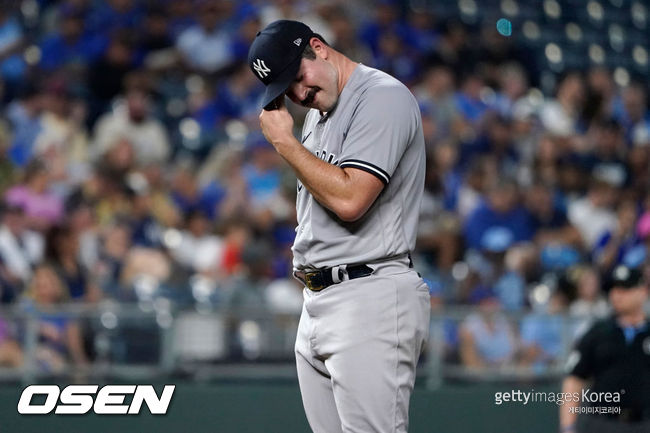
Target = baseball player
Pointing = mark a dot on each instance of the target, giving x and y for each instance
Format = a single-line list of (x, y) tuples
[(360, 166)]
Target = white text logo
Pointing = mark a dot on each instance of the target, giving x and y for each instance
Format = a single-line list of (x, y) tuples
[(80, 399), (260, 68)]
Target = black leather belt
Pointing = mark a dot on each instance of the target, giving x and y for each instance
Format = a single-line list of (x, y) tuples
[(319, 279)]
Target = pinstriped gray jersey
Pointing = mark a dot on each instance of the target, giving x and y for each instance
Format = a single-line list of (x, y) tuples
[(376, 127)]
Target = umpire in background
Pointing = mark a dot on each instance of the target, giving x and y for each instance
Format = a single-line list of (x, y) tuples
[(615, 355)]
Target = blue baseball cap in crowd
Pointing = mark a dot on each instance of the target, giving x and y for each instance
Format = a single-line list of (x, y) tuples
[(275, 56), (497, 239)]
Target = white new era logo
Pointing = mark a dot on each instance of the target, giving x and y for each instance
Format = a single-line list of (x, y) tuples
[(298, 41), (260, 68)]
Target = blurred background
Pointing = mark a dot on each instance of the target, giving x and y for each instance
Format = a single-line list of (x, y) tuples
[(146, 225)]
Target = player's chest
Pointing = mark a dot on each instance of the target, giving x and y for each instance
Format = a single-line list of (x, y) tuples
[(325, 139)]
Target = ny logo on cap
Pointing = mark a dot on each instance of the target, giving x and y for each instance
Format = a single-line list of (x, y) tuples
[(261, 68)]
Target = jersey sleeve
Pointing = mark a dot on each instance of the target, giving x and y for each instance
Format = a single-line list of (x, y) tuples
[(383, 124), (581, 359)]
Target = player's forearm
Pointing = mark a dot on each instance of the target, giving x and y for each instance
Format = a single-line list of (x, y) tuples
[(330, 185), (571, 385)]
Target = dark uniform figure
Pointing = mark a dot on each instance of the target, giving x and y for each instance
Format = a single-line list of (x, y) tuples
[(609, 371)]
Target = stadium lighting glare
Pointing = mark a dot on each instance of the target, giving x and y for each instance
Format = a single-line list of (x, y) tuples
[(596, 53), (194, 84), (531, 30), (176, 107), (30, 9), (541, 294), (510, 8), (639, 15), (573, 32), (552, 9), (621, 76), (616, 37), (236, 130), (460, 271), (190, 129), (595, 10), (108, 320), (553, 53), (32, 55), (468, 7), (640, 55)]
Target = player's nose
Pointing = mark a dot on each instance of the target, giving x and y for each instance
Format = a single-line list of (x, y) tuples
[(297, 91)]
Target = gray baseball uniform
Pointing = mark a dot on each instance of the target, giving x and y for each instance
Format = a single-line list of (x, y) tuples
[(359, 340)]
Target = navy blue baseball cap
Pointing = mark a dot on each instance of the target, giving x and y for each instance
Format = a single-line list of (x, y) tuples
[(624, 277), (275, 56)]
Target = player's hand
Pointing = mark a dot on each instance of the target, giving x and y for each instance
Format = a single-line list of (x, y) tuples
[(277, 125)]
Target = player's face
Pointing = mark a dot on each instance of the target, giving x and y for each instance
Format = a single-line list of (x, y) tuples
[(316, 85)]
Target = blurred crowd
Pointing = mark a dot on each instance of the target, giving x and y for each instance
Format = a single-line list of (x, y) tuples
[(132, 168)]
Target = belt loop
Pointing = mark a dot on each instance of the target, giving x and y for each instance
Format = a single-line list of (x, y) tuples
[(337, 274)]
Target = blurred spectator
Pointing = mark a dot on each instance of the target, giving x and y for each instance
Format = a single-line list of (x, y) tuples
[(113, 15), (206, 46), (548, 218), (590, 303), (295, 10), (470, 105), (262, 177), (62, 254), (632, 111), (20, 248), (115, 245), (617, 245), (394, 56), (156, 43), (132, 120), (600, 94), (249, 24), (11, 355), (487, 339), (561, 116), (62, 140), (199, 249), (71, 47), (59, 337), (284, 296), (513, 84), (500, 211), (24, 115), (41, 207), (107, 74), (592, 215), (436, 96), (12, 40), (543, 334), (237, 97), (344, 38)]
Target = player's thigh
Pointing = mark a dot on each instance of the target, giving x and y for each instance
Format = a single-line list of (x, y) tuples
[(373, 378), (315, 383), (317, 398)]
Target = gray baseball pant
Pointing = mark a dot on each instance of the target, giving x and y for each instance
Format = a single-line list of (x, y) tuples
[(357, 349)]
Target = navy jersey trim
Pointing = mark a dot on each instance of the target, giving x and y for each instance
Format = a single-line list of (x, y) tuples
[(367, 167)]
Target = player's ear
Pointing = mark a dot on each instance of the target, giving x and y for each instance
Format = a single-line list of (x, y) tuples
[(319, 47)]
